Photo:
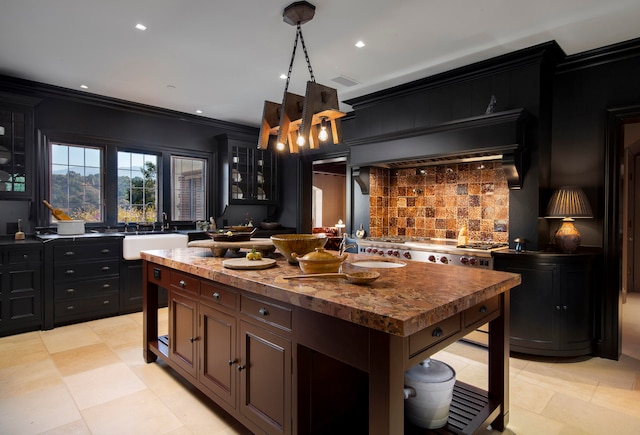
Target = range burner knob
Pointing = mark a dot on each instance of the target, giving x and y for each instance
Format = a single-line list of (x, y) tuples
[(432, 258), (374, 251), (473, 261), (396, 253), (368, 250), (381, 252), (407, 255), (464, 260), (444, 260), (389, 252)]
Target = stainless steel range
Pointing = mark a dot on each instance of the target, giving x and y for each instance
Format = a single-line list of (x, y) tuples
[(438, 251)]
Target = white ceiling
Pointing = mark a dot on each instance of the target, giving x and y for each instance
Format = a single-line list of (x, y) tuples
[(225, 57)]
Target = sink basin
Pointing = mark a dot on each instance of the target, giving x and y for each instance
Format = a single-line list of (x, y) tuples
[(380, 264), (132, 245)]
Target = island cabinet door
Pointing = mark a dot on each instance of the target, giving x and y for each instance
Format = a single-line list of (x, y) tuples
[(217, 352), (183, 333), (265, 379)]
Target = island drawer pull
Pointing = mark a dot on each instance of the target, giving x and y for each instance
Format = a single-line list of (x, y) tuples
[(483, 309), (71, 307), (106, 302), (437, 332), (182, 284), (216, 295), (263, 311)]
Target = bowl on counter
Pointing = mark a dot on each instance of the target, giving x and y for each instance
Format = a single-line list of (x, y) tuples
[(270, 225), (319, 261), (301, 244)]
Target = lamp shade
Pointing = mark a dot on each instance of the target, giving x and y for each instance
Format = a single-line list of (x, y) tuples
[(569, 202)]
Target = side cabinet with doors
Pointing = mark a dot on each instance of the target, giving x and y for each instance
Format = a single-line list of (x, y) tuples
[(552, 311), (236, 348), (20, 287), (248, 175)]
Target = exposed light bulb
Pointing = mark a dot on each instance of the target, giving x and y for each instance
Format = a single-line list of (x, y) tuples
[(280, 146), (300, 140), (323, 135)]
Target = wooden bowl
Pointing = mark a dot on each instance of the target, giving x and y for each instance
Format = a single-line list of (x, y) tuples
[(301, 244)]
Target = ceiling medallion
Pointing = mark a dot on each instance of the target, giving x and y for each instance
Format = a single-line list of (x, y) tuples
[(299, 120)]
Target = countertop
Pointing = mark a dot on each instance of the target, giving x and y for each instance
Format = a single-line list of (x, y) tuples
[(402, 301)]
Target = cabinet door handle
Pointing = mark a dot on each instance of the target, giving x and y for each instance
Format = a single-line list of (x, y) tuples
[(216, 295), (240, 368), (564, 307), (69, 254), (182, 283), (69, 272), (437, 332), (193, 339), (483, 309), (106, 269), (557, 307), (106, 285), (263, 311), (231, 362), (105, 251)]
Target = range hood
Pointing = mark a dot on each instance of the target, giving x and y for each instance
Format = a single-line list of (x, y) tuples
[(494, 137)]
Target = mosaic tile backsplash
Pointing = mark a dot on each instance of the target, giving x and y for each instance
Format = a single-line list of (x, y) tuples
[(436, 201)]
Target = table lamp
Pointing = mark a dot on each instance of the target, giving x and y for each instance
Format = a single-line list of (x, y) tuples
[(568, 203)]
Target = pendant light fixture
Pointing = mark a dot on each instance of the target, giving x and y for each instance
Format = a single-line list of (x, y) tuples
[(301, 121)]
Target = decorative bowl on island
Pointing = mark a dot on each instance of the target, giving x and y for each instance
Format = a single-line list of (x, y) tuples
[(319, 261), (301, 244)]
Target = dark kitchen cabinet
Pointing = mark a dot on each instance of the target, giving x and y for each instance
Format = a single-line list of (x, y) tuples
[(20, 288), (552, 311), (131, 287), (247, 175), (84, 277), (16, 146)]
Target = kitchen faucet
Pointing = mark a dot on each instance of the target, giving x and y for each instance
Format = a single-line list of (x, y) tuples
[(165, 221), (344, 246)]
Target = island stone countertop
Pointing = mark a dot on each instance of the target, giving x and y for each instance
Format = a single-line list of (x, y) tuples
[(402, 301)]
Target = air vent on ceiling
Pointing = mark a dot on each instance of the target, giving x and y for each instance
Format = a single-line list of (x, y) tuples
[(345, 81)]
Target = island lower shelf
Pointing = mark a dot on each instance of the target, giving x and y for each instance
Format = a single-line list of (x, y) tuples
[(273, 361)]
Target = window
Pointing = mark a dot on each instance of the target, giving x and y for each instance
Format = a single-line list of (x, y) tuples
[(76, 181), (137, 187), (188, 189)]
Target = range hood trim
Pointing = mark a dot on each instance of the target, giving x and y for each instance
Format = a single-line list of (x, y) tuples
[(463, 140)]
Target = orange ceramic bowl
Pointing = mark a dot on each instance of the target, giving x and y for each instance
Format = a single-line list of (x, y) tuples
[(301, 244)]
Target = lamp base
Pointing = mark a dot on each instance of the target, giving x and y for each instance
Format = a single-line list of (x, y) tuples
[(568, 237)]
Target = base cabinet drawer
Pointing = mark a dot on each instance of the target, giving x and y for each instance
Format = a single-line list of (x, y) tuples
[(433, 334), (80, 289), (87, 308)]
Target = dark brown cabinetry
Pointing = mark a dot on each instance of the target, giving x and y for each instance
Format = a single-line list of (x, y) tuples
[(20, 288), (248, 175), (16, 144), (85, 278), (234, 346), (552, 311)]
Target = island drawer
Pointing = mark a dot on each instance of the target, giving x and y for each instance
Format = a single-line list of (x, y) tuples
[(219, 294), (434, 334), (158, 275), (183, 281), (63, 272), (481, 311), (264, 311)]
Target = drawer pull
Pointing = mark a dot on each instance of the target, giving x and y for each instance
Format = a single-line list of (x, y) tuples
[(263, 312), (106, 285), (437, 332), (69, 254), (106, 302), (106, 269), (105, 251), (216, 295), (71, 307), (483, 309), (182, 283), (69, 272), (240, 368), (557, 307), (71, 290)]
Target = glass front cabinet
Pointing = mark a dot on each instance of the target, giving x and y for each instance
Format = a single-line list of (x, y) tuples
[(16, 146), (248, 175)]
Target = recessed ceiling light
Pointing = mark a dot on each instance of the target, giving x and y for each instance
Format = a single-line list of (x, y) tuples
[(198, 111), (84, 86), (360, 44), (140, 26), (283, 76)]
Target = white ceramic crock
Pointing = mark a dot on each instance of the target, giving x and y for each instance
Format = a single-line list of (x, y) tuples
[(70, 228), (429, 391)]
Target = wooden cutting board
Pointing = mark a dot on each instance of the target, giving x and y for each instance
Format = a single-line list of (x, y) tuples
[(243, 263)]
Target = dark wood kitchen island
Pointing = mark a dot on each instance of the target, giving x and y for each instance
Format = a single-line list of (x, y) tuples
[(320, 355)]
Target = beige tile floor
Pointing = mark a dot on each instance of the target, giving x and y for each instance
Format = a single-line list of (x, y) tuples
[(90, 378)]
